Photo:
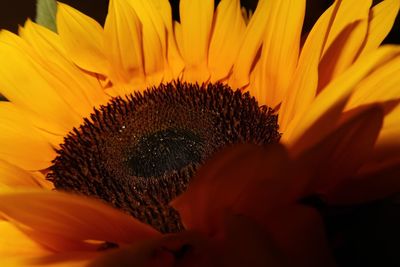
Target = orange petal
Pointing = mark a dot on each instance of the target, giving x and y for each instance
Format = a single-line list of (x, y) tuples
[(299, 234), (65, 222), (13, 243), (367, 187), (147, 254), (17, 249), (340, 154), (236, 179), (246, 243)]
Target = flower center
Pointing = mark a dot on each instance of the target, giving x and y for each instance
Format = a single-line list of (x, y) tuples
[(138, 153)]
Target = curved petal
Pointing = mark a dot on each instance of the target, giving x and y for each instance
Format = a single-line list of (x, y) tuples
[(65, 222), (367, 187), (340, 154), (82, 38), (236, 179), (343, 52), (380, 86), (382, 18), (321, 39), (343, 15), (387, 146), (324, 112), (299, 233), (21, 143), (147, 253), (13, 243), (196, 23)]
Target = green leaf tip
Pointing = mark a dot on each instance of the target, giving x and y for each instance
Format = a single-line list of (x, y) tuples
[(46, 13)]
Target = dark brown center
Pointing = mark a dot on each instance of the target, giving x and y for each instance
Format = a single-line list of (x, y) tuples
[(139, 152)]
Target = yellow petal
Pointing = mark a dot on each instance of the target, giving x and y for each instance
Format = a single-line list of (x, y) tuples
[(345, 39), (178, 35), (196, 21), (65, 222), (82, 38), (280, 51), (12, 177), (83, 89), (323, 114), (154, 40), (43, 40), (343, 151), (21, 144), (345, 13), (175, 61), (303, 86), (380, 86), (31, 87), (227, 36), (123, 44), (321, 39), (248, 50), (342, 52), (387, 147), (382, 18)]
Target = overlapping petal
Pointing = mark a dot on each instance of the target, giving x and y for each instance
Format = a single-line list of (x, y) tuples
[(82, 224), (21, 143), (280, 51)]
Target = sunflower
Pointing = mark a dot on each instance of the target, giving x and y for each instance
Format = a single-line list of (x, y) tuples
[(105, 128)]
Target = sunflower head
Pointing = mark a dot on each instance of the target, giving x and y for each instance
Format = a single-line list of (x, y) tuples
[(139, 152)]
